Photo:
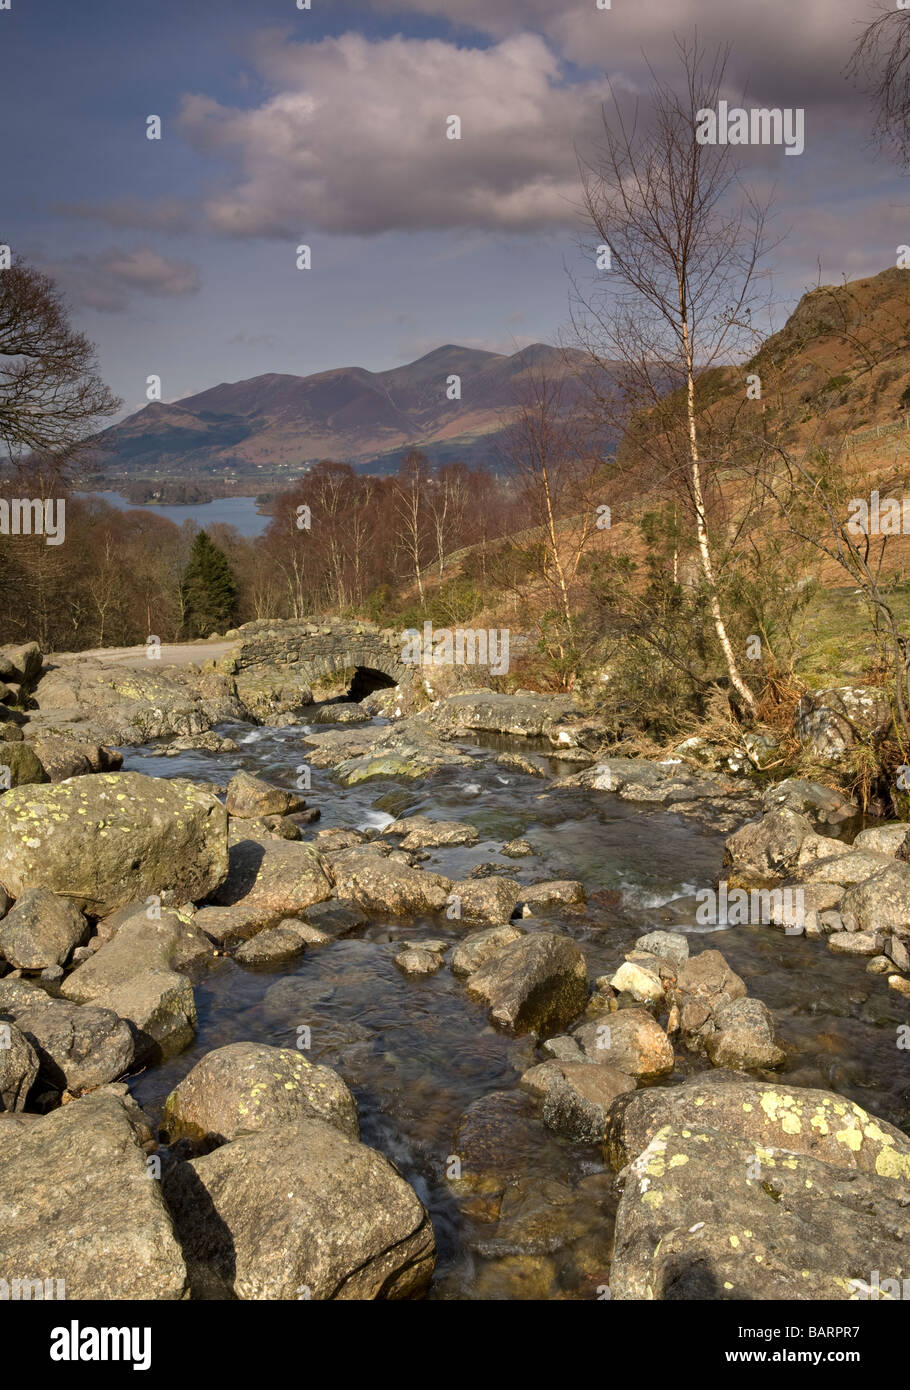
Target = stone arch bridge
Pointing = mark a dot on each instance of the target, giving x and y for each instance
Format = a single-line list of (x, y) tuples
[(275, 662)]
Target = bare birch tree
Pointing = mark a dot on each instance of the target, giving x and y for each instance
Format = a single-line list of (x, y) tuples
[(681, 240)]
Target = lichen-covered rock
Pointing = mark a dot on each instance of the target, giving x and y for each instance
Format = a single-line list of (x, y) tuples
[(249, 1086), (813, 799), (770, 1115), (107, 840), (95, 701), (704, 1217), (880, 903), (829, 722), (41, 930), (538, 983), (766, 851), (883, 839), (78, 1204), (342, 1223), (630, 1041)]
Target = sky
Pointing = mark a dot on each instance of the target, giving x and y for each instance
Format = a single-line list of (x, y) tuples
[(284, 126)]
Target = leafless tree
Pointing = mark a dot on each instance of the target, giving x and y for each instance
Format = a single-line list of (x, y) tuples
[(881, 60), (684, 239), (51, 397)]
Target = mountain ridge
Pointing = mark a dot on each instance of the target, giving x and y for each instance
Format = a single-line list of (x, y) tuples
[(275, 423)]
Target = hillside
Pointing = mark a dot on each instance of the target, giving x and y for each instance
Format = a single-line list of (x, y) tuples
[(272, 425)]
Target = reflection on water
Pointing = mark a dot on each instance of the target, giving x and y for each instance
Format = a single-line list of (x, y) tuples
[(417, 1053)]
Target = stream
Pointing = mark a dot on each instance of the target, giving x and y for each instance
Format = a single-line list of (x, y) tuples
[(417, 1052)]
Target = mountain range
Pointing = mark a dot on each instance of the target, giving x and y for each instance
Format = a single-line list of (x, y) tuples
[(271, 426)]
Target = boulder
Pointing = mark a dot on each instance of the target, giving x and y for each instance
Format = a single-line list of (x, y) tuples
[(341, 1221), (883, 839), (96, 701), (267, 880), (419, 832), (379, 883), (768, 1115), (578, 1096), (41, 930), (416, 960), (335, 918), (537, 984), (475, 950), (132, 976), (78, 1204), (249, 1086), (155, 936), (766, 851), (830, 722), (854, 866), (105, 841), (249, 796), (708, 977), (702, 1217), (79, 1047), (881, 902), (553, 893), (21, 664), (496, 1139), (859, 943), (62, 756), (744, 1036), (813, 799), (20, 766), (630, 1041), (642, 983), (274, 944), (486, 899), (18, 1067), (670, 946)]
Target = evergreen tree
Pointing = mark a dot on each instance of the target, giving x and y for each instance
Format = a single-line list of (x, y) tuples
[(208, 589)]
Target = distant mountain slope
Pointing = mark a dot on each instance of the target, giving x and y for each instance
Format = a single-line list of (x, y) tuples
[(276, 423)]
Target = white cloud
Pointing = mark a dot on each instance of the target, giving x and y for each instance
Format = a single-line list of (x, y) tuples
[(353, 139)]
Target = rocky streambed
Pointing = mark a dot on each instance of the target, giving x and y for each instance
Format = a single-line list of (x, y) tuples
[(429, 1008)]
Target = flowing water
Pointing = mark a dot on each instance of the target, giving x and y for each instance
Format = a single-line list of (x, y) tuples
[(417, 1052)]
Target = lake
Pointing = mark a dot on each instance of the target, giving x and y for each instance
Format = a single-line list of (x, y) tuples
[(234, 511)]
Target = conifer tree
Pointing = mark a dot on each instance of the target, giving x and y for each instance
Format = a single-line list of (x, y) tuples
[(208, 589)]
